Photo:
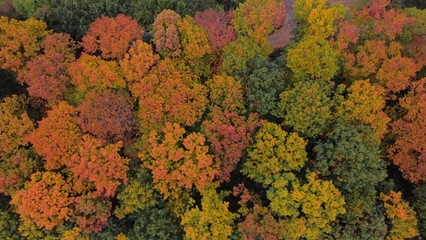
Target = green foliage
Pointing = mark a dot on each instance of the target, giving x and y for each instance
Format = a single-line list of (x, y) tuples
[(75, 16), (264, 82), (274, 151), (306, 107), (9, 221), (351, 157), (27, 8)]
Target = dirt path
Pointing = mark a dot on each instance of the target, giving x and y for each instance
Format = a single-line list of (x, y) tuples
[(283, 36)]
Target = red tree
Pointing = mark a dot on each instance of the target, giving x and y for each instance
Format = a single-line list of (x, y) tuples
[(107, 114), (91, 212), (166, 34), (47, 74), (111, 36), (218, 27)]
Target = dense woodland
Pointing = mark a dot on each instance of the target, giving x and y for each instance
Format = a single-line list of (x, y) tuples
[(175, 119)]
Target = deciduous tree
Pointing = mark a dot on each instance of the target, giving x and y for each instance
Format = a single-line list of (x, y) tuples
[(111, 36), (166, 33)]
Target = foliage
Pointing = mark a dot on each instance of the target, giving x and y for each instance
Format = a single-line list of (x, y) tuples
[(166, 33), (236, 55), (138, 194), (20, 41), (314, 58), (179, 162), (228, 135), (170, 92), (15, 125), (75, 16), (9, 221), (218, 27), (193, 39), (306, 107), (274, 151), (403, 217), (316, 18), (214, 221), (365, 104), (226, 92), (58, 136), (351, 157), (111, 36), (91, 212), (28, 8), (100, 164), (258, 18), (264, 83), (137, 62), (93, 72), (408, 151), (107, 115), (46, 200), (47, 74)]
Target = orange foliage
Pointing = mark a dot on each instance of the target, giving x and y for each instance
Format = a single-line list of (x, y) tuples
[(170, 92), (91, 71), (20, 41), (46, 200), (178, 161), (193, 39), (111, 36), (58, 136), (138, 61), (166, 34)]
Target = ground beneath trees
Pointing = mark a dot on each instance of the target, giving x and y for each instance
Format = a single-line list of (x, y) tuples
[(282, 37)]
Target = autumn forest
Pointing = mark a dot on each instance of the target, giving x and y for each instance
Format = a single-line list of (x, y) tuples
[(178, 119)]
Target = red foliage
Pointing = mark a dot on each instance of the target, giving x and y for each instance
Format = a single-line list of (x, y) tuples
[(409, 150), (111, 36), (45, 200), (92, 212), (58, 136), (101, 165), (47, 74), (229, 134), (107, 114), (170, 92), (166, 34), (217, 26)]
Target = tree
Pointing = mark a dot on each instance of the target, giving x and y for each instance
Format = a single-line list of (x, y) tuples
[(58, 136), (264, 82), (111, 36), (306, 107), (170, 92), (28, 8), (403, 217), (218, 27), (46, 200), (179, 162), (258, 18), (137, 62), (93, 72), (365, 104), (273, 152), (350, 156), (214, 221), (75, 16), (228, 135), (166, 33), (20, 41), (313, 57), (91, 212), (15, 125), (409, 150), (100, 164), (107, 114), (47, 74), (226, 92), (15, 170), (236, 55)]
